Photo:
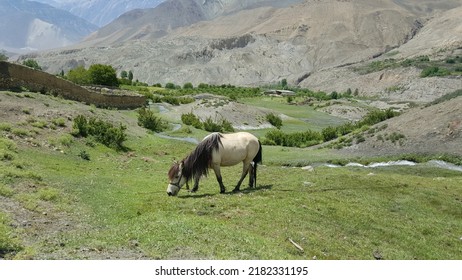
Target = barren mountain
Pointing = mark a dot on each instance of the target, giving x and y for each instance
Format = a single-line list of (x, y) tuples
[(30, 25), (169, 15), (439, 38), (309, 43), (101, 12)]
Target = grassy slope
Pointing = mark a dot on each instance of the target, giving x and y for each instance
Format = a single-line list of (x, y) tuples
[(119, 209)]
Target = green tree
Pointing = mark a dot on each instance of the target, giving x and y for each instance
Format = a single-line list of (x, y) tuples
[(188, 86), (130, 75), (124, 74), (32, 64), (3, 57), (170, 85), (79, 75), (103, 75), (284, 83)]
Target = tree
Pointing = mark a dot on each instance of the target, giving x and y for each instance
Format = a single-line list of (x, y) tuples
[(124, 74), (32, 64), (79, 75), (188, 86), (103, 75), (170, 85), (284, 83), (130, 75)]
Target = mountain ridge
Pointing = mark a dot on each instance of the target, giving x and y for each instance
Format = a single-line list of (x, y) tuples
[(32, 25), (311, 44)]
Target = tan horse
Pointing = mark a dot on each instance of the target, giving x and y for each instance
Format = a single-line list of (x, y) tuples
[(213, 151)]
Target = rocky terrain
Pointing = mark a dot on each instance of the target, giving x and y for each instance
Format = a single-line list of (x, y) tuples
[(312, 44)]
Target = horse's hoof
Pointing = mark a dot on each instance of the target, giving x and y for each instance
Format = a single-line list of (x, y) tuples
[(236, 190)]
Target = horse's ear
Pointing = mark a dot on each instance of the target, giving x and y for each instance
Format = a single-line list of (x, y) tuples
[(181, 164)]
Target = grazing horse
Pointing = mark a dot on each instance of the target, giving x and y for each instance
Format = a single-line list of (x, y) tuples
[(213, 151)]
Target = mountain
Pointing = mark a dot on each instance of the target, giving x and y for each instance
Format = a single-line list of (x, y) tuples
[(170, 15), (101, 12), (310, 43), (28, 25)]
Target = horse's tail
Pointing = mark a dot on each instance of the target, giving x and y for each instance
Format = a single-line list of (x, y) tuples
[(257, 159)]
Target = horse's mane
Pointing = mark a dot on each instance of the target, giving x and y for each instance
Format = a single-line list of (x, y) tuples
[(197, 163)]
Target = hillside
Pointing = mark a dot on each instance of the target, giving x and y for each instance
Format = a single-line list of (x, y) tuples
[(66, 197), (101, 12), (313, 44), (28, 26), (435, 129)]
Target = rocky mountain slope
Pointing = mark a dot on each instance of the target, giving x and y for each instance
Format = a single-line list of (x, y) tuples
[(312, 43), (101, 12), (28, 25), (435, 129)]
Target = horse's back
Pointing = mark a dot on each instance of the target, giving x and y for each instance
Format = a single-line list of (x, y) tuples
[(237, 147)]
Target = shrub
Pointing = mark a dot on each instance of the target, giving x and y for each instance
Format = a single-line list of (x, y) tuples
[(329, 133), (211, 126), (274, 120), (171, 100), (103, 132), (147, 119), (32, 64), (84, 155), (191, 119), (434, 71), (297, 139), (226, 126), (80, 126)]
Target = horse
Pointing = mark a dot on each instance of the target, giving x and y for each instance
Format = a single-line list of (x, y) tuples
[(214, 151)]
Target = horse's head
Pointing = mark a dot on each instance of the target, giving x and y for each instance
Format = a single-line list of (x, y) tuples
[(176, 178)]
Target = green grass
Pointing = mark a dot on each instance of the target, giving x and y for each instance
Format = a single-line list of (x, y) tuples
[(342, 213), (116, 203), (304, 117)]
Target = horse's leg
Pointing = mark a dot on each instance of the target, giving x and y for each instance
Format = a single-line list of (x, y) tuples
[(251, 175), (216, 169), (196, 184), (245, 170)]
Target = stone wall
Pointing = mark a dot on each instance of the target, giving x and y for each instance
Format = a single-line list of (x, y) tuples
[(14, 76)]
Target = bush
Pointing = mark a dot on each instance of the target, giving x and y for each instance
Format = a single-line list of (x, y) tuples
[(274, 120), (434, 71), (32, 64), (329, 133), (191, 119), (103, 132), (297, 139), (147, 119), (171, 100), (211, 126)]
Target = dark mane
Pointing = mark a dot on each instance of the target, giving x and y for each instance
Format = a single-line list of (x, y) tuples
[(197, 163)]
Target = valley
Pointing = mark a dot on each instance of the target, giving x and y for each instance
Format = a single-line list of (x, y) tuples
[(358, 106)]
